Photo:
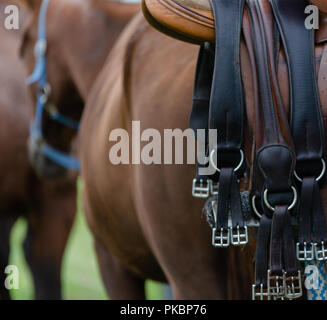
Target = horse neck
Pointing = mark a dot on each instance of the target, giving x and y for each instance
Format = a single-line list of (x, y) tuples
[(92, 29)]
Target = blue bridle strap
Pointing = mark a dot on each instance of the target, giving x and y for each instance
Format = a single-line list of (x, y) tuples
[(39, 75)]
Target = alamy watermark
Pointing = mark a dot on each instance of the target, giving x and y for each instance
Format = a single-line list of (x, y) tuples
[(312, 277), (11, 21), (173, 146), (312, 20), (12, 278)]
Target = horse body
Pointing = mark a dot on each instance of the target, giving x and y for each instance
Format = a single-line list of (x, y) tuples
[(140, 213), (145, 213)]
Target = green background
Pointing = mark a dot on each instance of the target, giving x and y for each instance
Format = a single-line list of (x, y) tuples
[(80, 274)]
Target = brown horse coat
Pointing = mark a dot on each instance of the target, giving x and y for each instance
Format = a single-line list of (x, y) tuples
[(48, 206), (143, 217)]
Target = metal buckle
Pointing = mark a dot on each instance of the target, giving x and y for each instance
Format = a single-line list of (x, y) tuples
[(293, 286), (213, 188), (307, 254), (259, 293), (239, 236), (321, 252), (40, 48), (200, 189), (275, 286), (220, 239)]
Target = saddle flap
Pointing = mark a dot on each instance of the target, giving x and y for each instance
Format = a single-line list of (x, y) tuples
[(192, 20)]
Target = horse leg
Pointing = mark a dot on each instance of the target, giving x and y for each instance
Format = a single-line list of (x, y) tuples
[(49, 227), (120, 283), (6, 224), (179, 237)]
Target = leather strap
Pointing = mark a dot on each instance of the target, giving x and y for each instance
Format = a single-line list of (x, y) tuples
[(201, 99), (261, 255), (274, 162), (226, 113), (305, 112), (227, 105)]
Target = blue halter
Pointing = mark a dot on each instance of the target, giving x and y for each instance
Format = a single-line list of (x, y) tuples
[(39, 76)]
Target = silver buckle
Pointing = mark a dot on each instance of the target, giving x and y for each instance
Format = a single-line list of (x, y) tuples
[(307, 254), (239, 236), (321, 252), (220, 239), (200, 189), (213, 188), (275, 286), (259, 293), (293, 286)]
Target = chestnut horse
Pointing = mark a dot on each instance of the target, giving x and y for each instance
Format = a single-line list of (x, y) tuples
[(124, 278), (49, 205), (143, 217), (145, 223), (144, 220)]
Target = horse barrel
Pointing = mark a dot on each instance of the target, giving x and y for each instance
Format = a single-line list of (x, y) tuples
[(287, 165)]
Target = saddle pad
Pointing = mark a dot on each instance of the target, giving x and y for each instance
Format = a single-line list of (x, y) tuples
[(193, 21)]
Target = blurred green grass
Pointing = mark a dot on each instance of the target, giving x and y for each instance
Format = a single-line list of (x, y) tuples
[(80, 274)]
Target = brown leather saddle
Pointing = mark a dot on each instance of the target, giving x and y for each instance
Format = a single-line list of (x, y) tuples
[(260, 86), (193, 21)]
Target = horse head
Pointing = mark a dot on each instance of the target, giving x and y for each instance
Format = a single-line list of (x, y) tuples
[(63, 50)]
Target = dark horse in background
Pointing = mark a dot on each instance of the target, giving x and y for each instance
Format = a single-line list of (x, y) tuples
[(49, 205)]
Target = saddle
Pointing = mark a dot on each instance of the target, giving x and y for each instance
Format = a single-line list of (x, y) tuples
[(193, 20), (256, 98)]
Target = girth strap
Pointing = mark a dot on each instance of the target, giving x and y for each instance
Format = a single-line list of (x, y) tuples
[(227, 105), (201, 187), (274, 163), (226, 115), (305, 120)]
